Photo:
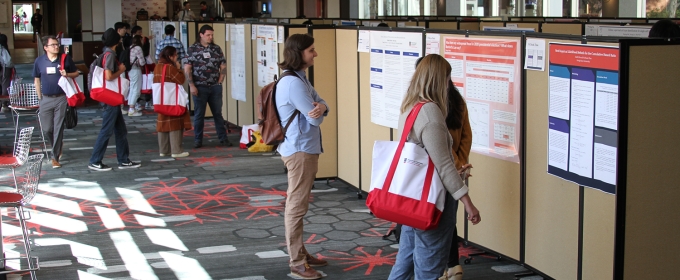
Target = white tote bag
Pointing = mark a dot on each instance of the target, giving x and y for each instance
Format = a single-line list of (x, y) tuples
[(169, 98), (405, 185), (113, 93)]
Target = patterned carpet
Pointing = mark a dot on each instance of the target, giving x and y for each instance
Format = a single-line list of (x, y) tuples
[(216, 214)]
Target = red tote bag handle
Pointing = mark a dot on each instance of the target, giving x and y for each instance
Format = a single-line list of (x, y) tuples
[(163, 84), (397, 154)]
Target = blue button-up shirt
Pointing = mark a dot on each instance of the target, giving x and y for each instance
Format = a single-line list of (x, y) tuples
[(171, 41), (304, 134)]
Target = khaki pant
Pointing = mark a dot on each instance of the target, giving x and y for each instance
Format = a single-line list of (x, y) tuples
[(302, 168), (170, 141)]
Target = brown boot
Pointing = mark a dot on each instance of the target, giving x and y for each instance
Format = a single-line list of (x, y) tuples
[(305, 272), (314, 262)]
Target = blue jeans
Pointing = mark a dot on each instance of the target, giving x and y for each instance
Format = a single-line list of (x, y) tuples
[(112, 122), (425, 252), (210, 95)]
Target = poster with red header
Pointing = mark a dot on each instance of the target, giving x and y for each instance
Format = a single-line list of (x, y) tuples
[(487, 72), (583, 100)]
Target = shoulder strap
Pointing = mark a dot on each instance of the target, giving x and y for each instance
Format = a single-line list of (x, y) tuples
[(297, 112), (63, 58)]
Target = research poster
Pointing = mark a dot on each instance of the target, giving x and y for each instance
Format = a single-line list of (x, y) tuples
[(583, 114), (267, 54), (487, 72), (393, 59), (238, 61), (184, 34)]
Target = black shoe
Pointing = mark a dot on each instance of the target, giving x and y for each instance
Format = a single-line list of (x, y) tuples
[(225, 142), (198, 145), (129, 164), (99, 167)]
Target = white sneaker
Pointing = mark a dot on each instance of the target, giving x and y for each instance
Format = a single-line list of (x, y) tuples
[(185, 154), (134, 113)]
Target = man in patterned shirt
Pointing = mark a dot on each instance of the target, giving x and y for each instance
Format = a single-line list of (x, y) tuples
[(205, 68), (170, 40)]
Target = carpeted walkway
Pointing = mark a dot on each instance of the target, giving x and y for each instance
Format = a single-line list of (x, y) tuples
[(216, 214)]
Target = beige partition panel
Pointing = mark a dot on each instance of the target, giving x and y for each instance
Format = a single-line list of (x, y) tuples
[(495, 190), (536, 26), (652, 193), (464, 25), (551, 203), (297, 20), (599, 221), (369, 131), (348, 106), (219, 38), (491, 24), (562, 28), (450, 25), (325, 83)]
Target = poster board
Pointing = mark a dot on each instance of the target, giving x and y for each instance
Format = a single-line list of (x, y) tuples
[(487, 72), (325, 83), (393, 60), (349, 162), (245, 109), (562, 28), (583, 114), (650, 212), (238, 77), (230, 103), (267, 53), (547, 196)]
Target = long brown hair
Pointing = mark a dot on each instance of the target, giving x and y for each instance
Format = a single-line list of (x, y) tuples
[(429, 83), (292, 51), (166, 53)]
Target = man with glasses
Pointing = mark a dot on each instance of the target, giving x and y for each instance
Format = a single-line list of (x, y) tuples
[(47, 71)]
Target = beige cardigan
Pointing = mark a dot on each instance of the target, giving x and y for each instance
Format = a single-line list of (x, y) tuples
[(429, 131)]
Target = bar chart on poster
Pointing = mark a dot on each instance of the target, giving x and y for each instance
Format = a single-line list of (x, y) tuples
[(488, 74), (583, 114), (393, 59)]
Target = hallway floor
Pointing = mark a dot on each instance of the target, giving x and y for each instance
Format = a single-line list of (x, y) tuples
[(217, 214)]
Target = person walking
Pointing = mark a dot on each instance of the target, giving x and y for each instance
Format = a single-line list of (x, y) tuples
[(46, 72), (171, 128), (7, 71), (17, 20), (301, 148), (137, 61), (423, 254), (186, 14), (112, 117), (206, 68), (36, 22)]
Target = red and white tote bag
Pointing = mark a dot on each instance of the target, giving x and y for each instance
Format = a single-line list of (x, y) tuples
[(112, 93), (169, 98), (405, 185)]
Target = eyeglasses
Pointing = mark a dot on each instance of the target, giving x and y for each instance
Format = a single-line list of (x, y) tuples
[(53, 45)]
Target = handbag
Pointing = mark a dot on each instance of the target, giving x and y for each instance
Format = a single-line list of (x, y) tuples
[(74, 95), (112, 93), (405, 186), (71, 118), (169, 98), (147, 78)]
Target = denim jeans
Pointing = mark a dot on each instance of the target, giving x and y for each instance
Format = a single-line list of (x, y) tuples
[(135, 75), (112, 122), (212, 96), (425, 252)]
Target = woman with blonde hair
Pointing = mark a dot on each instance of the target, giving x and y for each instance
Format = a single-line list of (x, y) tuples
[(424, 253)]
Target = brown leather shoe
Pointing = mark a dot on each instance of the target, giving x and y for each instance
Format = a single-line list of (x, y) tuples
[(55, 164), (305, 272), (314, 262)]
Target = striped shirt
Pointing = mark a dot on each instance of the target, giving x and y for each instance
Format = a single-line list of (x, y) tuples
[(171, 41)]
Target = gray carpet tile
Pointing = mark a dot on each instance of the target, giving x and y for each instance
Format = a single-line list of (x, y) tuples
[(217, 214)]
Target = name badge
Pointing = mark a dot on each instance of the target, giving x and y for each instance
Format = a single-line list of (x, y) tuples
[(51, 70), (206, 55)]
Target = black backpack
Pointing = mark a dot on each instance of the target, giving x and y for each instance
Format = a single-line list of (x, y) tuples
[(125, 58)]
